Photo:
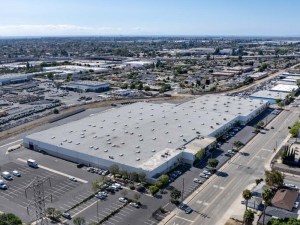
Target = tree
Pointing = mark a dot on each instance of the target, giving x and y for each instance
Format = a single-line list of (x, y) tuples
[(247, 195), (98, 183), (175, 194), (200, 154), (132, 86), (57, 214), (134, 176), (261, 124), (136, 196), (9, 219), (267, 196), (114, 169), (153, 189), (79, 221), (162, 181), (55, 111), (248, 217), (124, 86), (147, 88), (140, 86), (124, 192), (286, 221), (50, 211), (142, 177), (213, 162), (274, 178)]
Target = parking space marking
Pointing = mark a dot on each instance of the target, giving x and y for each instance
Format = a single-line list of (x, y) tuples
[(109, 222), (191, 221), (112, 218), (55, 171)]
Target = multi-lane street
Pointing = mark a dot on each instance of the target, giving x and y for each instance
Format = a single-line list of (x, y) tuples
[(213, 200)]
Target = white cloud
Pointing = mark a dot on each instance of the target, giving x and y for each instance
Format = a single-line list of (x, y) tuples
[(63, 29)]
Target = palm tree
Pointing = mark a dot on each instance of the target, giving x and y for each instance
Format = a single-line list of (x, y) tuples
[(247, 195), (267, 196), (248, 217)]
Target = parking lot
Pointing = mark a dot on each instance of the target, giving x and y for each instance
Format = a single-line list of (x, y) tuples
[(55, 186)]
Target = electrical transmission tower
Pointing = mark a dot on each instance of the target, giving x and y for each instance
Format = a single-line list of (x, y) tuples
[(38, 202)]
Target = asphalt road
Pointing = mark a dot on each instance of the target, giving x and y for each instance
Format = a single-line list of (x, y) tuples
[(216, 197)]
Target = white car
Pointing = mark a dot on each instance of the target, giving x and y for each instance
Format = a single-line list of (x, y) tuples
[(103, 193), (133, 204), (196, 180), (73, 179), (2, 185), (204, 175), (16, 173), (296, 205), (123, 200), (206, 172)]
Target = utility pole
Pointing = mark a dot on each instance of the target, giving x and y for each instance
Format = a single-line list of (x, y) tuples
[(38, 203)]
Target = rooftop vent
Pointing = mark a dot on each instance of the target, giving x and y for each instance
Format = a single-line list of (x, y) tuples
[(166, 132), (129, 117), (179, 125), (153, 150), (82, 136), (131, 133), (169, 141), (121, 154), (70, 131), (95, 136), (101, 127), (111, 157), (108, 139), (138, 151), (91, 146), (153, 129), (137, 146), (94, 126), (109, 142), (138, 159), (125, 131), (69, 141), (154, 138), (141, 139), (96, 148), (181, 135), (123, 143), (78, 143), (105, 150)]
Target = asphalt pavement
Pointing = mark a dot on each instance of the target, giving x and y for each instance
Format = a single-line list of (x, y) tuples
[(213, 199)]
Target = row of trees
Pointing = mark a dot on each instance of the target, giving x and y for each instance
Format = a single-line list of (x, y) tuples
[(136, 177)]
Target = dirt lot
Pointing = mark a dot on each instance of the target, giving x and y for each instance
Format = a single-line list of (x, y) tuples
[(233, 222)]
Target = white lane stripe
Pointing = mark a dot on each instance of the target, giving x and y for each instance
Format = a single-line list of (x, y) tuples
[(55, 171), (11, 143)]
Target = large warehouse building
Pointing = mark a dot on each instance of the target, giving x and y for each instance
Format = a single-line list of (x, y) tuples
[(146, 137)]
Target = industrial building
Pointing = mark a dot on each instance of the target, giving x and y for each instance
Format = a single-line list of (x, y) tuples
[(14, 78), (86, 86), (146, 137)]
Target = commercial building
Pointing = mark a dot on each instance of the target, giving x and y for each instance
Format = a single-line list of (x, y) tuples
[(258, 75), (269, 96), (14, 78), (146, 137), (286, 88), (86, 86)]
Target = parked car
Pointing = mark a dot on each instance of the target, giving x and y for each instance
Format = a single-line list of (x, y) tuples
[(73, 179), (133, 204), (206, 172), (66, 215), (123, 200), (204, 175), (16, 173), (80, 166), (296, 205), (2, 185), (197, 180)]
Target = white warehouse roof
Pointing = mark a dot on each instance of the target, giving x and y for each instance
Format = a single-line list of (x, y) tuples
[(136, 134)]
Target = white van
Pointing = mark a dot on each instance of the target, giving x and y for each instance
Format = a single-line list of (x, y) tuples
[(32, 163), (6, 175), (2, 185)]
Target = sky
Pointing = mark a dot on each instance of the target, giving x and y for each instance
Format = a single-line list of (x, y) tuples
[(149, 17)]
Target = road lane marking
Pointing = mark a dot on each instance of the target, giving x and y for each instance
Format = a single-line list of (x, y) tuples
[(191, 221), (55, 171), (11, 143)]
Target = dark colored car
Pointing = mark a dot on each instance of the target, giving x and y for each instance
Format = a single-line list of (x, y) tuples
[(67, 216), (80, 166), (185, 208)]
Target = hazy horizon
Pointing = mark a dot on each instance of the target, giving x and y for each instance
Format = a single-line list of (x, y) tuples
[(256, 18)]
